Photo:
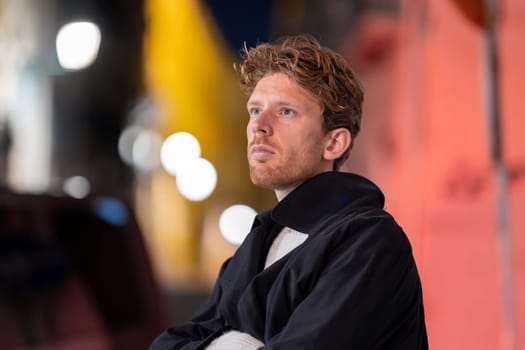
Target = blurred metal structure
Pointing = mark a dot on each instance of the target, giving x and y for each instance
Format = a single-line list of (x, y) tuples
[(485, 15), (492, 85)]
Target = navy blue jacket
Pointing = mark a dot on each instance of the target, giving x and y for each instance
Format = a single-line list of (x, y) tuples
[(353, 284)]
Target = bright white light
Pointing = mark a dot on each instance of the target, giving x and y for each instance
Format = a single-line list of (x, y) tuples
[(146, 149), (178, 149), (235, 222), (196, 180), (77, 45), (77, 186)]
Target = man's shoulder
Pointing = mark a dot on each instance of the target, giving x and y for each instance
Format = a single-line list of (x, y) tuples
[(372, 226)]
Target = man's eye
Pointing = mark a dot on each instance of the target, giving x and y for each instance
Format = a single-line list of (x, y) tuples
[(254, 112), (288, 112)]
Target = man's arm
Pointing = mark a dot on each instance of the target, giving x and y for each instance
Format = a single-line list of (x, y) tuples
[(206, 325)]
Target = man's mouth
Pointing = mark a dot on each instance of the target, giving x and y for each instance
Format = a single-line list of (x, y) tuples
[(261, 152)]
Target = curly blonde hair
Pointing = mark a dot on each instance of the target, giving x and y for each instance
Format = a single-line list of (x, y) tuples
[(316, 68)]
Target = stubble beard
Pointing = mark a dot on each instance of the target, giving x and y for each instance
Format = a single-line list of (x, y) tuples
[(265, 176), (286, 173), (279, 177)]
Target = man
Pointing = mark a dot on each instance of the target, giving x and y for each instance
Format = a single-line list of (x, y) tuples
[(327, 267)]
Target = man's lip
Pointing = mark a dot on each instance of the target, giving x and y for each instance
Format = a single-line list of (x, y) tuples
[(261, 149), (261, 152)]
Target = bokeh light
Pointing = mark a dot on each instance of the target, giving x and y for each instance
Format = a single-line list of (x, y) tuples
[(177, 150), (77, 45), (125, 143), (77, 186), (196, 180), (111, 210), (235, 222), (140, 148), (146, 150)]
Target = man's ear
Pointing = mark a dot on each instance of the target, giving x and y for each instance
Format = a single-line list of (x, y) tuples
[(338, 141)]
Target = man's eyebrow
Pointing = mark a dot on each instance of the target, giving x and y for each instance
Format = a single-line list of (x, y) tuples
[(279, 103)]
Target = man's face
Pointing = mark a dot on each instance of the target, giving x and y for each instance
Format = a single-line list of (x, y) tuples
[(286, 140)]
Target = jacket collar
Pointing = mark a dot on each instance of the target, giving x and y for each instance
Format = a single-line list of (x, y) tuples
[(321, 196)]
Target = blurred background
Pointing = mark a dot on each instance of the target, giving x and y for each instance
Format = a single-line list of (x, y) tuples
[(124, 184)]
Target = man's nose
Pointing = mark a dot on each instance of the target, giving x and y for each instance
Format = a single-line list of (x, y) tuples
[(261, 124)]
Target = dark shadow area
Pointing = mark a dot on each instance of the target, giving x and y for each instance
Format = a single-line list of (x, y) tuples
[(74, 274)]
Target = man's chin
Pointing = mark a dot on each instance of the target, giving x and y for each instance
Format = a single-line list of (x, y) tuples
[(262, 182), (262, 179)]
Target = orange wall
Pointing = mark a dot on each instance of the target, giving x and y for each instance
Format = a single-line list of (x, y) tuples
[(425, 140)]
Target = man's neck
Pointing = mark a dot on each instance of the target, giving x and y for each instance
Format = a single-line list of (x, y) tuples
[(280, 194), (283, 192)]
